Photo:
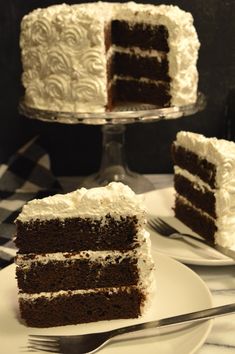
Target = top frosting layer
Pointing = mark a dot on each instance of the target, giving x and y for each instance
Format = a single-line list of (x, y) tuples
[(115, 199), (63, 53), (219, 152)]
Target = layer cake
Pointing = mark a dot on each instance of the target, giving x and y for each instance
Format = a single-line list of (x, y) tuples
[(83, 257), (204, 181), (91, 57)]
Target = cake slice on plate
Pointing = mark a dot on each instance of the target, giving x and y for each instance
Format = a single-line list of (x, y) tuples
[(204, 181), (83, 257)]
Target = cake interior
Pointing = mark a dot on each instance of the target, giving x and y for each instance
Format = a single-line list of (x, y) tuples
[(137, 66), (74, 307), (76, 234), (61, 282)]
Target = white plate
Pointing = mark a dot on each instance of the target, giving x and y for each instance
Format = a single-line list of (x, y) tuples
[(160, 203), (179, 290)]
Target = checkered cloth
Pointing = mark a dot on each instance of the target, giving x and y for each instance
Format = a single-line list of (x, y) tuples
[(26, 176)]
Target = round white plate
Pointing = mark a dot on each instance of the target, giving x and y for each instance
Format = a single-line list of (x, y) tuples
[(160, 203), (178, 290)]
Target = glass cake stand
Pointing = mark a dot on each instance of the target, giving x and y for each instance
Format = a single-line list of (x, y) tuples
[(113, 163)]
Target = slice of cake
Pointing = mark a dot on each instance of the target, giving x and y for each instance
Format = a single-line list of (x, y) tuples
[(91, 57), (83, 257), (204, 181)]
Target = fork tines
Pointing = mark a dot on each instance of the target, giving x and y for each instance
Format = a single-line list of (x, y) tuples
[(48, 345), (161, 226)]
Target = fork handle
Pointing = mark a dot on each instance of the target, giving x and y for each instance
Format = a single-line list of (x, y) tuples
[(175, 320)]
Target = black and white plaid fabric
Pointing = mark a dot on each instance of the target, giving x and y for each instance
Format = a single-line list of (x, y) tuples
[(26, 176)]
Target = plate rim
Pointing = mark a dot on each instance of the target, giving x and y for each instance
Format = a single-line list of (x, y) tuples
[(198, 262)]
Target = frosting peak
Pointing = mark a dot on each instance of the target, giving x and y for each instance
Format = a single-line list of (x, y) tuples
[(115, 199)]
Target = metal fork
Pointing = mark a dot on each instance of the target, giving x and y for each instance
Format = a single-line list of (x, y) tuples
[(90, 343), (164, 229)]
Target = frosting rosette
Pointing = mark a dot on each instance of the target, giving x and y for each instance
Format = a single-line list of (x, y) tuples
[(57, 62), (33, 59), (34, 95), (40, 32), (94, 62), (95, 34), (75, 37), (29, 76), (57, 87), (88, 90)]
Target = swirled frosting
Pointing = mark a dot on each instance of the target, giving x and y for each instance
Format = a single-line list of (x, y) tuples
[(64, 56)]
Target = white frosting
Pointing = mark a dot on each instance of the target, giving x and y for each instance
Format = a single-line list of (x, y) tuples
[(221, 153), (152, 53), (52, 295), (141, 79), (64, 60), (115, 199)]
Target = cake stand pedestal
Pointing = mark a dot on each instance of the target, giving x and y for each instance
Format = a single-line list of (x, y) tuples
[(113, 163)]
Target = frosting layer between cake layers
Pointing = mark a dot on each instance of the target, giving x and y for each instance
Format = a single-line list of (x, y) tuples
[(104, 272), (67, 52), (83, 272), (204, 179)]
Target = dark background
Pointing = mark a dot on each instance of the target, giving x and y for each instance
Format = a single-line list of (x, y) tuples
[(76, 149)]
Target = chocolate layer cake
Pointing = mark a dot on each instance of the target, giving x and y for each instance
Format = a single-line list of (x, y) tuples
[(83, 257), (204, 179), (90, 57)]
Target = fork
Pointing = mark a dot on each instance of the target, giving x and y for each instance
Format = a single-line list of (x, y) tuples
[(90, 343), (164, 229)]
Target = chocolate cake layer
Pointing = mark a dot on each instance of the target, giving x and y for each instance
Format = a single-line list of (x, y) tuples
[(76, 234), (200, 197), (81, 308), (140, 35), (142, 91), (76, 274), (136, 66), (194, 164), (199, 223)]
